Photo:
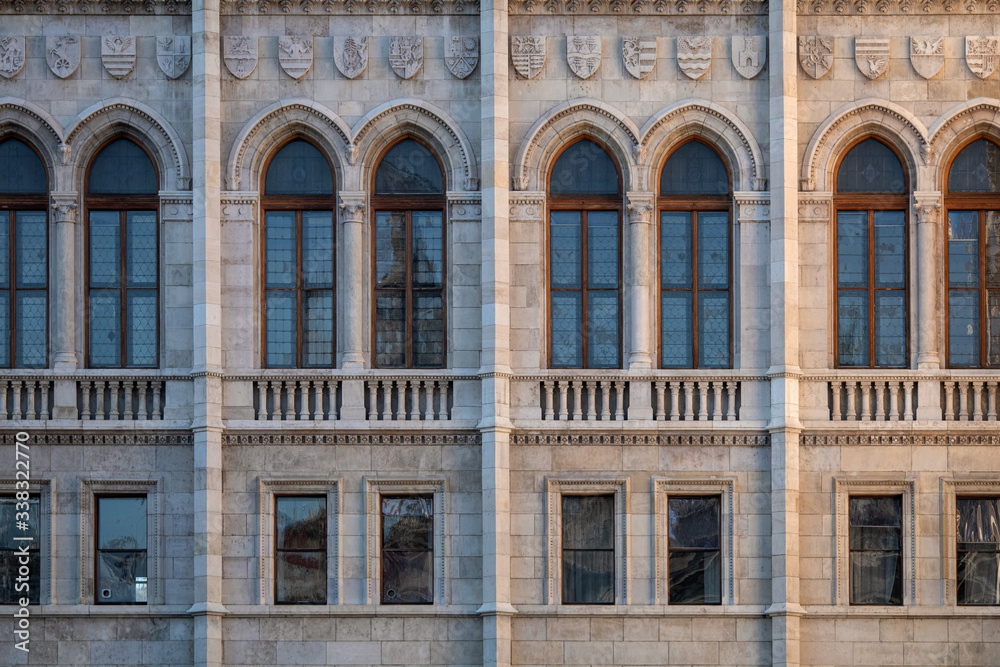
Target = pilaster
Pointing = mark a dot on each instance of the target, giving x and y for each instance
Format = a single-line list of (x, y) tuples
[(352, 215), (640, 219), (927, 211), (64, 214)]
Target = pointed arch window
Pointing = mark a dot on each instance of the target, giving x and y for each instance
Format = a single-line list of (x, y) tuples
[(122, 258), (695, 260), (972, 256), (409, 259), (584, 259), (871, 249), (23, 257), (299, 251)]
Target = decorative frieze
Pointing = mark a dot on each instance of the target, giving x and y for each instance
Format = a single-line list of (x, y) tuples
[(749, 55), (814, 207), (909, 8), (351, 55), (97, 7), (871, 55), (240, 55), (753, 207), (982, 54), (640, 7), (103, 439), (583, 54), (816, 55), (238, 206), (638, 439), (528, 55), (694, 55), (349, 7), (461, 55), (118, 55), (11, 55), (295, 55), (927, 55), (901, 439), (527, 206), (62, 53), (173, 54), (639, 55), (406, 55), (435, 439)]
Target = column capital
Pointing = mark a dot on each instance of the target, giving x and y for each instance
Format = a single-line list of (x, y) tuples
[(640, 207), (237, 205), (927, 205), (815, 206), (467, 206), (527, 206), (352, 205), (752, 206), (64, 206)]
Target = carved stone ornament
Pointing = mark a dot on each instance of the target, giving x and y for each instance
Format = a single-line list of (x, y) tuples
[(618, 8), (62, 53), (816, 55), (240, 55), (173, 54), (694, 55), (351, 55), (871, 55), (583, 53), (295, 55), (462, 55), (528, 55), (927, 55), (749, 55), (118, 55), (639, 55), (406, 55), (11, 55), (102, 8), (981, 54)]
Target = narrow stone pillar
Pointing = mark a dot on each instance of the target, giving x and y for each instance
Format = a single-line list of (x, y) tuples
[(927, 207), (352, 215), (640, 216), (64, 210)]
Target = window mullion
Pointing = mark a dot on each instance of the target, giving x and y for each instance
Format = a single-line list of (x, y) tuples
[(584, 287), (694, 290), (408, 277), (298, 290), (12, 286), (981, 289), (872, 361), (122, 286)]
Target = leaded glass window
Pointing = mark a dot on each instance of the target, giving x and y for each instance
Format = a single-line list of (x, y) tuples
[(121, 550), (871, 266), (407, 549), (978, 551), (300, 550), (13, 510), (299, 251), (694, 550), (24, 266), (584, 260), (409, 258), (972, 256), (588, 549), (123, 296), (695, 260), (876, 550)]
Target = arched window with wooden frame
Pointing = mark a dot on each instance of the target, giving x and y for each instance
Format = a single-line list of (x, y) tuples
[(585, 272), (696, 304), (299, 249), (24, 266), (871, 267), (408, 204), (972, 256), (122, 275)]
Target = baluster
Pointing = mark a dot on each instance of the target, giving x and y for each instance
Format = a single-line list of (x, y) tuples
[(438, 390), (619, 400), (99, 412), (661, 391), (157, 406), (400, 400), (30, 412), (323, 389), (717, 397), (949, 401), (3, 399), (563, 402), (415, 399), (271, 389), (284, 399), (731, 408), (127, 386), (84, 399), (963, 401), (991, 408), (371, 388), (835, 388), (688, 401), (577, 388), (446, 388), (852, 397), (549, 408), (113, 387), (303, 386), (591, 387), (142, 387), (879, 400), (391, 404), (16, 408), (908, 401), (605, 400), (45, 384), (977, 401), (894, 401), (702, 400), (675, 401), (261, 391), (867, 402)]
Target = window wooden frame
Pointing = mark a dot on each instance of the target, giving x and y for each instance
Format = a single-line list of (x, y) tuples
[(122, 204), (97, 549), (407, 204), (693, 204), (279, 550), (967, 485), (383, 550), (583, 203), (980, 202), (296, 204), (870, 203)]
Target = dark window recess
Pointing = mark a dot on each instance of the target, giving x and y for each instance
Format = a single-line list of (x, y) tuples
[(21, 172), (12, 590), (588, 549), (407, 550), (23, 289), (409, 169), (584, 169), (122, 168), (694, 169), (121, 551), (978, 571), (298, 169), (871, 167), (976, 169), (694, 567), (300, 550), (876, 550)]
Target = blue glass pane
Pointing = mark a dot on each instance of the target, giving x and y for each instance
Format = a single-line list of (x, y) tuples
[(280, 319), (298, 169), (390, 329), (890, 328), (713, 329), (602, 250), (963, 248), (408, 168), (567, 330), (105, 251), (105, 328), (142, 321), (565, 249), (992, 249), (5, 329), (890, 249), (993, 328), (279, 240), (4, 249), (122, 168), (428, 248), (428, 330), (140, 251), (584, 169), (694, 169), (963, 327), (317, 249), (317, 329), (21, 172), (870, 167), (32, 329), (675, 249), (713, 250), (121, 523), (852, 328), (32, 252), (852, 249), (976, 168), (602, 329), (675, 330), (390, 249)]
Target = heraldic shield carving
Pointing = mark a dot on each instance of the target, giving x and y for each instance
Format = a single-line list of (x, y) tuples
[(118, 55), (528, 55), (351, 55), (173, 54), (406, 55), (816, 55), (583, 53), (749, 55), (639, 55), (295, 55), (62, 53), (871, 55), (981, 55), (11, 55), (240, 55), (462, 55), (927, 55), (694, 55)]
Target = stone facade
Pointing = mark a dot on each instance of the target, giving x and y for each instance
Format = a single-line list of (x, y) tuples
[(784, 437)]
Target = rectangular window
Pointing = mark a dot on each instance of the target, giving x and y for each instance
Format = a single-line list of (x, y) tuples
[(23, 289), (121, 550), (978, 551), (876, 550), (694, 551), (973, 289), (407, 549), (588, 549), (11, 589), (300, 550)]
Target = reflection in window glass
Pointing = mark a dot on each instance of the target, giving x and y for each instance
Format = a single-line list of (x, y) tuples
[(23, 289), (973, 254), (21, 172), (588, 549), (409, 168), (976, 168), (298, 169), (121, 550), (122, 168), (694, 550), (871, 167), (300, 550), (694, 169), (876, 550), (584, 169), (978, 552), (10, 507), (407, 549)]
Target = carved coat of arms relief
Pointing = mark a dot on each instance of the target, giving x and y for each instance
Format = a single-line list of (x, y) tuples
[(173, 54), (583, 53), (981, 54), (871, 55), (406, 55), (461, 55), (816, 55), (295, 55), (62, 53), (118, 55), (749, 55), (694, 55), (927, 55), (528, 55), (351, 55), (11, 55), (240, 55), (639, 55)]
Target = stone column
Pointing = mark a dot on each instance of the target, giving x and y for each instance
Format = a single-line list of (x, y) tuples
[(927, 208), (64, 210), (352, 215), (640, 217)]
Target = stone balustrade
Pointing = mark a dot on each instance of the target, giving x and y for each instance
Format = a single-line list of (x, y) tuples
[(25, 398), (115, 399), (890, 399), (696, 399), (585, 399), (970, 399)]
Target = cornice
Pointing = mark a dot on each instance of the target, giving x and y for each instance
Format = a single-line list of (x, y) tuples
[(693, 440), (897, 7), (254, 439), (906, 440), (649, 7), (349, 7), (97, 7)]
